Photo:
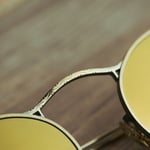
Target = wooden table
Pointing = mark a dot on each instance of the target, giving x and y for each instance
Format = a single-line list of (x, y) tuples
[(43, 41)]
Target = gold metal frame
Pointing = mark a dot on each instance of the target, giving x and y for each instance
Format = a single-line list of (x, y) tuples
[(128, 127), (80, 74), (70, 78), (96, 143)]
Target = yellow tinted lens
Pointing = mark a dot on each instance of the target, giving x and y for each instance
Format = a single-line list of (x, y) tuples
[(32, 134), (136, 81)]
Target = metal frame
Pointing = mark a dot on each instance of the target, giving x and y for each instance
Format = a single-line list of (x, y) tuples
[(80, 74), (129, 127), (99, 141)]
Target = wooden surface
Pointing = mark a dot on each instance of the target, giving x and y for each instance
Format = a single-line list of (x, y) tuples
[(43, 41)]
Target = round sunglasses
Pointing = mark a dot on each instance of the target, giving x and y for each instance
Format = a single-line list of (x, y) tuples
[(31, 130)]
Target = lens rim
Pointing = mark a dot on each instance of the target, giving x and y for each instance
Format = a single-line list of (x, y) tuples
[(123, 99), (45, 120)]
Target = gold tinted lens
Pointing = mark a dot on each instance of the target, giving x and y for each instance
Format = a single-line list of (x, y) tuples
[(32, 134), (135, 81)]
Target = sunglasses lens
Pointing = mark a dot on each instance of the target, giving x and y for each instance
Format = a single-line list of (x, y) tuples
[(136, 82), (32, 134)]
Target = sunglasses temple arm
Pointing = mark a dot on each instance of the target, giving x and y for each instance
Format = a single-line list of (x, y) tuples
[(70, 78), (104, 139)]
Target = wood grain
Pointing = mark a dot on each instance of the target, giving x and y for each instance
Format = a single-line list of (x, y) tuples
[(43, 41)]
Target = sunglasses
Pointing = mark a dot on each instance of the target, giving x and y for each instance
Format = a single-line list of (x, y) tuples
[(31, 130)]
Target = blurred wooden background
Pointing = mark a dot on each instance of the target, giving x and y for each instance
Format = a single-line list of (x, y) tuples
[(41, 41)]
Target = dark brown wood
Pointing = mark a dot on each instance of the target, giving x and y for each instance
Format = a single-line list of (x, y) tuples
[(43, 41)]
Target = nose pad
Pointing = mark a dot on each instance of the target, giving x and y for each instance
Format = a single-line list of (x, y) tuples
[(132, 130), (104, 139), (124, 128)]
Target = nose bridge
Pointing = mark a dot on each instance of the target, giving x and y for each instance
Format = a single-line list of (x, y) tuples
[(80, 74)]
